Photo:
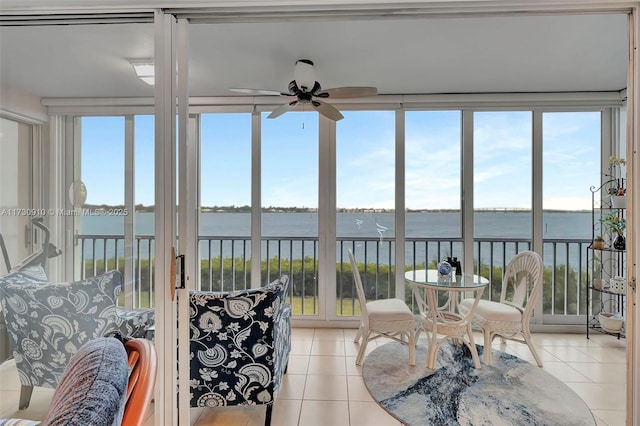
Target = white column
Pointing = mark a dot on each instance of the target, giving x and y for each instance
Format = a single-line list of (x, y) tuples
[(129, 218), (536, 200), (400, 203), (165, 212), (633, 213), (256, 199), (187, 214), (467, 190), (327, 218)]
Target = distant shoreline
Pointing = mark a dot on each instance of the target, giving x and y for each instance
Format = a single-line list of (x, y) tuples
[(139, 208)]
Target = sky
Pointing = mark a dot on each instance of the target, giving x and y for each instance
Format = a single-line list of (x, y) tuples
[(365, 159)]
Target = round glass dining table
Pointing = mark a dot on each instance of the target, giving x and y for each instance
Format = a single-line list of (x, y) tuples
[(445, 319)]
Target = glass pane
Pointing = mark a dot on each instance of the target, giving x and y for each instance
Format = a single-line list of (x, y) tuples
[(365, 196), (571, 165), (432, 187), (290, 205), (144, 229), (502, 167), (225, 202), (15, 205), (102, 172)]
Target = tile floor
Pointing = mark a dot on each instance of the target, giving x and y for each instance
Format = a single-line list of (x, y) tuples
[(323, 386)]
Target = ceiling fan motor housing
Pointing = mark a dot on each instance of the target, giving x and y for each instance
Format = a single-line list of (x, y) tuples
[(294, 90)]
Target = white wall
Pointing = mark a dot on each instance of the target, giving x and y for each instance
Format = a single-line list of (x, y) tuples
[(22, 106), (15, 182)]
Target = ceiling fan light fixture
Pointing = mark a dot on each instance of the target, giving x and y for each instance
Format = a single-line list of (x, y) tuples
[(144, 69), (307, 91), (304, 75)]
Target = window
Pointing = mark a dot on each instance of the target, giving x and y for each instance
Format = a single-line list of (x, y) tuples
[(103, 173), (432, 187), (365, 200), (571, 165), (502, 192), (225, 201), (290, 204)]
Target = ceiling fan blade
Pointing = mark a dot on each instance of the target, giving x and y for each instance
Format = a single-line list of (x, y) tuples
[(348, 92), (282, 109), (259, 92), (327, 110)]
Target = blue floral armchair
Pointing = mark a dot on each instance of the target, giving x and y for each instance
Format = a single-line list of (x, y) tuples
[(239, 344), (48, 322)]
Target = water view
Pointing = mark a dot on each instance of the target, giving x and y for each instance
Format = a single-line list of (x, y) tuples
[(350, 226)]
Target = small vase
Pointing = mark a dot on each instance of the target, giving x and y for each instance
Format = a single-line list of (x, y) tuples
[(620, 243), (619, 201), (444, 272)]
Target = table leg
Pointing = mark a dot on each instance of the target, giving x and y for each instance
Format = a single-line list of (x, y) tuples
[(468, 318), (432, 353)]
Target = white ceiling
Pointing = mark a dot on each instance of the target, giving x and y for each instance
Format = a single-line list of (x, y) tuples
[(543, 53)]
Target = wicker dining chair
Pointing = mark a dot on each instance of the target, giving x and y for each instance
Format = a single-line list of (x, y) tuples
[(389, 318), (509, 318)]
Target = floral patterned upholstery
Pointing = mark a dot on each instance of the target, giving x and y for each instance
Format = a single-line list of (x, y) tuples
[(135, 323), (48, 322), (239, 344), (31, 274)]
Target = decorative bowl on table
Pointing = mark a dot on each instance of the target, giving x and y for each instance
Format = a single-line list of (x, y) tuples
[(610, 323)]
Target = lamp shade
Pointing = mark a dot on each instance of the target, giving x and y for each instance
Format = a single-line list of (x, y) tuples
[(304, 75)]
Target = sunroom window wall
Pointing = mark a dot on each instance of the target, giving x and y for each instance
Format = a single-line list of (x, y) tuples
[(503, 187)]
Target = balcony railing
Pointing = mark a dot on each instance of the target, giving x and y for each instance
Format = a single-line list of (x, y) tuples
[(225, 264)]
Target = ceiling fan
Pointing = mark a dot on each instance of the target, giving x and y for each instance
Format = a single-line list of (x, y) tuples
[(306, 90)]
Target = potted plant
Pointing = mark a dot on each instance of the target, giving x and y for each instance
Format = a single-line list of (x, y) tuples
[(598, 242), (617, 189), (616, 225)]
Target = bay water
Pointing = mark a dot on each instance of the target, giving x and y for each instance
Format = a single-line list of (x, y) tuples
[(489, 224)]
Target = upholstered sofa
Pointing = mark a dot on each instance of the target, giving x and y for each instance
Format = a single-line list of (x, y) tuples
[(48, 322), (239, 345)]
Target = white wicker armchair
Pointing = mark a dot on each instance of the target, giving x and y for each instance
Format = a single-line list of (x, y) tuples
[(509, 318)]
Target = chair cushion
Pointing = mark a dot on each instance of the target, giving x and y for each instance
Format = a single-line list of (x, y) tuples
[(93, 388), (47, 323), (389, 310), (493, 311)]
